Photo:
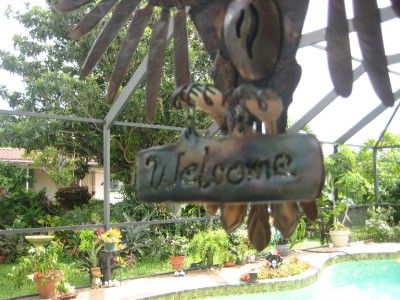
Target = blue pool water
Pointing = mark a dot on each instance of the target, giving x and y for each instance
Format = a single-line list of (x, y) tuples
[(363, 279)]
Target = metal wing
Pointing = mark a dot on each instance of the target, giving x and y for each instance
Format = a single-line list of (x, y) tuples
[(367, 24), (124, 12)]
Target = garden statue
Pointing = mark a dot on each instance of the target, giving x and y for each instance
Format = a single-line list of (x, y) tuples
[(253, 44)]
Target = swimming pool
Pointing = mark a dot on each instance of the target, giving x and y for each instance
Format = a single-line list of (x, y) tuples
[(361, 279)]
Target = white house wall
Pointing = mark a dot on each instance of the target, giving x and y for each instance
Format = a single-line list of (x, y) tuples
[(93, 180), (41, 180)]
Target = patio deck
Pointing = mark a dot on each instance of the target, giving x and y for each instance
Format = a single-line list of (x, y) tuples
[(149, 287)]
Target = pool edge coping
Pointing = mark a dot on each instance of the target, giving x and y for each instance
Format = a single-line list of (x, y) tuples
[(277, 284)]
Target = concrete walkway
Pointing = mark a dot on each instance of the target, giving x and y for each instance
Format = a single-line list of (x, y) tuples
[(158, 285)]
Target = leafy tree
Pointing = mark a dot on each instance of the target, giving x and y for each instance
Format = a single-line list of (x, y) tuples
[(388, 165), (344, 174), (19, 207), (11, 178), (49, 61), (59, 168)]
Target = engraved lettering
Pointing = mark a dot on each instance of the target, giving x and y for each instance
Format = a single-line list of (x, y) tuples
[(235, 173), (281, 164)]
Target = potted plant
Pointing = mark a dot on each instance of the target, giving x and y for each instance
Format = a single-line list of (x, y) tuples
[(281, 244), (90, 247), (111, 238), (42, 266), (283, 247), (338, 232), (229, 258), (178, 247), (210, 247)]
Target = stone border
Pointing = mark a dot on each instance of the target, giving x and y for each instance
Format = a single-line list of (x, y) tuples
[(298, 281)]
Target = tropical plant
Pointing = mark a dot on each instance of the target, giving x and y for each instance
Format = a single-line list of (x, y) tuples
[(136, 239), (178, 245), (210, 247), (39, 261), (299, 233), (111, 236), (378, 226), (90, 247)]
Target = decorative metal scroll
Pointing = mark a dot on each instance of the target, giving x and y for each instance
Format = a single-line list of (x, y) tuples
[(243, 168)]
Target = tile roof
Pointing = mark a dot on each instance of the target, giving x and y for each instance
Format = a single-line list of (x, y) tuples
[(13, 155)]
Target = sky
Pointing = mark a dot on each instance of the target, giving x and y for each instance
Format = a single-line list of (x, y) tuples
[(315, 83)]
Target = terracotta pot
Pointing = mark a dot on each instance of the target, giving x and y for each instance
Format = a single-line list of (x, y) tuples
[(2, 259), (229, 264), (177, 262), (46, 283)]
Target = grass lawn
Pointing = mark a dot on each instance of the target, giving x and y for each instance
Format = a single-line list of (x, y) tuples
[(147, 267), (78, 278)]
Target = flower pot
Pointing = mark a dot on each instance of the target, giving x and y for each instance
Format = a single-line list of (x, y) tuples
[(46, 283), (96, 272), (229, 264), (177, 262), (109, 246), (2, 259), (340, 238), (283, 250)]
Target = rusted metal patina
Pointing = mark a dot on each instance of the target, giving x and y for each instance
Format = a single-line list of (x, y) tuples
[(253, 44), (231, 169)]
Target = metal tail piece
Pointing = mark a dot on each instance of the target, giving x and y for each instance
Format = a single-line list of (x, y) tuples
[(396, 7), (310, 209), (181, 55), (121, 14), (128, 48), (92, 18), (232, 215), (258, 228), (368, 27), (286, 217), (158, 45), (69, 5), (338, 46)]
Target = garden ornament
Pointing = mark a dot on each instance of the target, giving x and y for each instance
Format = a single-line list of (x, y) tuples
[(253, 44)]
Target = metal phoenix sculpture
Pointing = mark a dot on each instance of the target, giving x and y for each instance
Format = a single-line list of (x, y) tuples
[(253, 44)]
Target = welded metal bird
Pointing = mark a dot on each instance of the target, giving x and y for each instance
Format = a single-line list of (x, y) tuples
[(253, 44)]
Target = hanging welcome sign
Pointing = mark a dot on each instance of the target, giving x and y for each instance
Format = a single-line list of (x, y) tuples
[(242, 168)]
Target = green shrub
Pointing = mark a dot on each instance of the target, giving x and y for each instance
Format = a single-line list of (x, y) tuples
[(12, 178), (210, 247), (299, 234), (377, 225), (22, 209), (73, 195), (13, 247), (396, 233)]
